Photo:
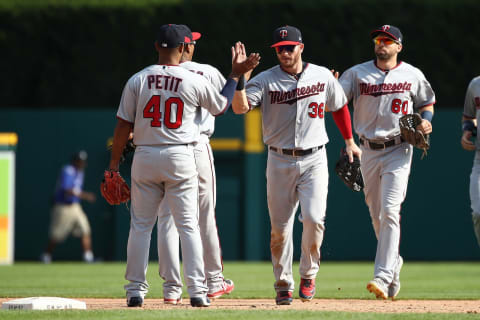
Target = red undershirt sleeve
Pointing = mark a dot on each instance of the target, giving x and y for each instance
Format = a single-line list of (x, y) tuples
[(343, 121)]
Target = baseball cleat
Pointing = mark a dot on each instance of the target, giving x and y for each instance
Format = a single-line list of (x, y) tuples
[(378, 287), (284, 298), (172, 301), (307, 289), (135, 301), (394, 287), (199, 302), (227, 287)]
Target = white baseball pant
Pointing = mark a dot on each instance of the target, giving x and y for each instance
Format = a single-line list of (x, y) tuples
[(168, 245), (290, 181), (164, 173), (385, 173)]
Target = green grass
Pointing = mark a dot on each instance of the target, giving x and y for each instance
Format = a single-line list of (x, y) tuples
[(339, 280), (206, 314)]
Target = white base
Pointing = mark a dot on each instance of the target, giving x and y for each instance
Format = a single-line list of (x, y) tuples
[(43, 303)]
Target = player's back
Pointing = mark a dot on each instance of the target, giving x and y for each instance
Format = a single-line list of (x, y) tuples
[(161, 101)]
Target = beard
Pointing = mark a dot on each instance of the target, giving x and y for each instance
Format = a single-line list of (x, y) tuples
[(289, 63), (383, 56)]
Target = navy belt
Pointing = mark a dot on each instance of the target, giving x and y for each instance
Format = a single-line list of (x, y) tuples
[(295, 152)]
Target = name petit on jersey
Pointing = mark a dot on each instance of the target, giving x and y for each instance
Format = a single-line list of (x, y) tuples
[(158, 81)]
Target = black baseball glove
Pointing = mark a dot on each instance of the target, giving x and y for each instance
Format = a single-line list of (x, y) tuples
[(408, 124), (129, 148), (350, 173)]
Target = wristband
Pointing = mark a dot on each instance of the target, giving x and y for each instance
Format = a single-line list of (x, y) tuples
[(468, 125), (427, 115), (240, 83)]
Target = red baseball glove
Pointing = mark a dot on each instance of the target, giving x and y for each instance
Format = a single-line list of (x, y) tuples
[(114, 188)]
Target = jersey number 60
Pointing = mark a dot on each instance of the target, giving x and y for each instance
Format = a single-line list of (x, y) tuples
[(152, 110), (398, 105)]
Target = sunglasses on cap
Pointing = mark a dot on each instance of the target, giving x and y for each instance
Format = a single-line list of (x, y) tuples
[(289, 48), (386, 41), (191, 42)]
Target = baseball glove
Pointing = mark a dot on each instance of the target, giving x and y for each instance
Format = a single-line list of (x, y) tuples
[(129, 148), (350, 173), (114, 188), (408, 124)]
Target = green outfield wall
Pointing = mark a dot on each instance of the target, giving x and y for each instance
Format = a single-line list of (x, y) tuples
[(436, 218)]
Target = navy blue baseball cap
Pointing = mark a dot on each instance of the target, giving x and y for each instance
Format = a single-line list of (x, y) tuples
[(286, 35), (389, 30), (172, 36)]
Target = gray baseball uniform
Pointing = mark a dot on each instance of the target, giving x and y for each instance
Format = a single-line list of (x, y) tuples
[(293, 110), (380, 98), (168, 245), (161, 101), (472, 110)]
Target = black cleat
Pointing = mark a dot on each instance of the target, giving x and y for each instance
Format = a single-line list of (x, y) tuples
[(200, 302), (135, 302)]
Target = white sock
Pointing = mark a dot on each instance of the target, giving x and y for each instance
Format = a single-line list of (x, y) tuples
[(46, 257), (88, 256)]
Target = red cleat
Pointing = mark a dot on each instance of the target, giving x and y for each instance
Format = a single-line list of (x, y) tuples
[(227, 287), (307, 289), (284, 298)]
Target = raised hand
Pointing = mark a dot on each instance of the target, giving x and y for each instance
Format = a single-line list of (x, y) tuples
[(240, 63)]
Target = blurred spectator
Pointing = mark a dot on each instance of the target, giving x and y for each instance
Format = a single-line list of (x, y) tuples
[(67, 215)]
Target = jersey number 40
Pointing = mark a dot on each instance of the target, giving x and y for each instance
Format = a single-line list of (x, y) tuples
[(152, 110)]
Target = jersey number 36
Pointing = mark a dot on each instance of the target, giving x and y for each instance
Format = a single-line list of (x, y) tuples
[(316, 110), (152, 110)]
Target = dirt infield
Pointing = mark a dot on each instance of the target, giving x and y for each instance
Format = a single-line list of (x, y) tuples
[(348, 305)]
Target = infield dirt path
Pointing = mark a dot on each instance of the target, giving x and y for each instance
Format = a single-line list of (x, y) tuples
[(348, 305)]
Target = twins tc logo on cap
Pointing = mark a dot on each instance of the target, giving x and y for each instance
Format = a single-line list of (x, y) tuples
[(286, 35), (391, 31)]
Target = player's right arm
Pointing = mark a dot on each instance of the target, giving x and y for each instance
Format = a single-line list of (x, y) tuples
[(125, 120), (240, 102), (469, 121)]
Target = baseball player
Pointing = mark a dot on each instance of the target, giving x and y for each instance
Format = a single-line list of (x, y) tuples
[(293, 97), (160, 103), (67, 213), (383, 90), (470, 120), (168, 243)]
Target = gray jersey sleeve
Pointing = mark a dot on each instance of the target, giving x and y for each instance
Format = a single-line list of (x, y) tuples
[(424, 95), (335, 96), (128, 102), (255, 91), (209, 97), (472, 99), (217, 79), (347, 82)]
